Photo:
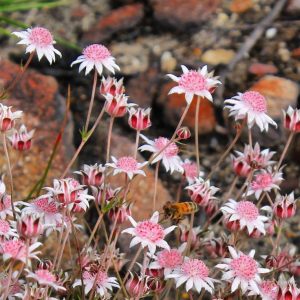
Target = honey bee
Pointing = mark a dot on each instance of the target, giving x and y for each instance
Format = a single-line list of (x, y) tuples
[(176, 211)]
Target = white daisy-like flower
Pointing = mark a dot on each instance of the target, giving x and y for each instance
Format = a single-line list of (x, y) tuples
[(265, 181), (242, 271), (127, 165), (38, 39), (245, 215), (252, 105), (149, 233), (169, 155), (96, 56), (195, 273), (268, 290), (195, 83), (100, 280)]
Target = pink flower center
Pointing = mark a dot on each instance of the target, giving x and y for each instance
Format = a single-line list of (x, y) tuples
[(40, 37), (169, 258), (4, 227), (262, 181), (170, 151), (150, 231), (15, 248), (193, 82), (255, 100), (269, 288), (247, 210), (5, 203), (190, 170), (127, 163), (244, 267), (45, 275), (195, 267), (96, 52), (45, 205)]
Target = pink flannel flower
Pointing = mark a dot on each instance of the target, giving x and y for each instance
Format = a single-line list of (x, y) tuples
[(38, 39), (8, 118), (92, 174), (268, 290), (110, 193), (103, 284), (195, 83), (169, 155), (30, 226), (5, 206), (6, 231), (46, 278), (190, 171), (185, 232), (16, 249), (139, 119), (292, 119), (288, 290), (242, 271), (265, 181), (119, 213), (16, 286), (243, 214), (201, 192), (168, 260), (127, 165), (285, 206), (112, 86), (251, 105), (183, 133), (195, 273), (96, 56), (149, 233), (21, 140), (116, 106)]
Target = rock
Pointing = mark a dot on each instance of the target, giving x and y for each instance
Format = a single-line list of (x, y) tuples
[(142, 88), (296, 53), (217, 56), (293, 6), (241, 6), (38, 97), (260, 69), (180, 14), (132, 58), (174, 105), (271, 33), (119, 19), (168, 62)]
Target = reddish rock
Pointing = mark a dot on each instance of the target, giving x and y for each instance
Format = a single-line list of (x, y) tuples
[(179, 14), (241, 6), (260, 69), (118, 19), (38, 97), (174, 105)]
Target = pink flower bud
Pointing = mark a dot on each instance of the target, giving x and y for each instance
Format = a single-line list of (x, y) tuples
[(45, 264), (139, 119), (240, 167), (292, 119), (135, 286), (183, 133), (120, 214), (7, 117), (285, 206), (112, 86), (21, 140), (92, 175), (30, 226), (116, 106)]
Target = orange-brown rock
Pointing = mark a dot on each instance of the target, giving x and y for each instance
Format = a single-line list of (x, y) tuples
[(296, 53), (241, 6), (260, 69)]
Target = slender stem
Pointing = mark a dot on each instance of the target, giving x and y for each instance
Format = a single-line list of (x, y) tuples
[(190, 236), (10, 175), (246, 184), (197, 133), (137, 138), (155, 185), (9, 277), (94, 231), (111, 123), (180, 121), (276, 248), (178, 194), (286, 147), (63, 247), (91, 101), (250, 137)]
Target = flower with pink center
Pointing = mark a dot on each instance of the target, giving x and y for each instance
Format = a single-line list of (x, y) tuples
[(112, 86), (16, 249), (46, 278), (103, 284), (285, 206), (127, 165), (116, 106), (268, 290), (168, 260), (195, 83), (190, 171), (245, 215), (164, 150), (5, 206), (8, 118), (149, 233), (6, 231), (21, 140), (292, 119), (201, 192), (251, 105), (251, 158), (242, 271), (38, 39), (96, 56), (265, 181), (92, 174), (46, 206), (15, 285), (139, 118), (195, 273)]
